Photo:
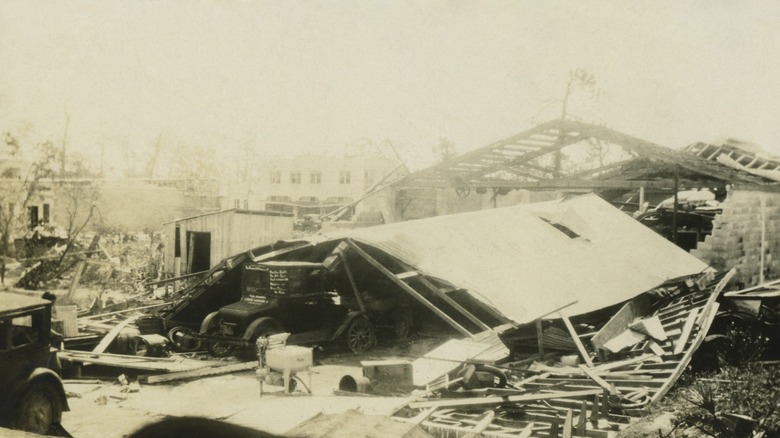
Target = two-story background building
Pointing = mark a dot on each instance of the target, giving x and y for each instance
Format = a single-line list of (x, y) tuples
[(310, 184)]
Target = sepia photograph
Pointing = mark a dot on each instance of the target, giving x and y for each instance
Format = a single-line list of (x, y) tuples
[(373, 218)]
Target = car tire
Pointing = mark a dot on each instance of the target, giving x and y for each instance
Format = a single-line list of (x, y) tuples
[(360, 336), (218, 348), (39, 408), (184, 339)]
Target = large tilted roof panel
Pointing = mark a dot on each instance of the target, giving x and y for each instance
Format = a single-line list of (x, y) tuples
[(530, 259)]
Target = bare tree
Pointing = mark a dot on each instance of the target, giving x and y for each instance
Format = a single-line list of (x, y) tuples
[(21, 187), (579, 80), (445, 150)]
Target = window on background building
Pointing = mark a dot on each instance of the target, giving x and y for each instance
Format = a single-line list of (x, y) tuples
[(246, 204), (345, 177), (295, 177), (315, 177), (276, 177), (46, 212), (236, 203)]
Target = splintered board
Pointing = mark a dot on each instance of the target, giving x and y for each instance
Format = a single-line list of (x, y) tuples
[(583, 401)]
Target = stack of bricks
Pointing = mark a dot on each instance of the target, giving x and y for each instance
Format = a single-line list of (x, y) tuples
[(735, 241)]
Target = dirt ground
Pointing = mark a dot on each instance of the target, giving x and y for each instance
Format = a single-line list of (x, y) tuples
[(102, 409)]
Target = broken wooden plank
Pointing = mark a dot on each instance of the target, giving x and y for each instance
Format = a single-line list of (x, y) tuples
[(76, 278), (526, 433), (405, 275), (202, 372), (655, 348), (624, 340), (111, 335), (599, 381), (620, 321), (481, 425), (567, 424), (424, 415), (81, 356), (582, 420), (686, 331), (119, 312), (486, 401), (577, 341), (628, 362), (650, 326)]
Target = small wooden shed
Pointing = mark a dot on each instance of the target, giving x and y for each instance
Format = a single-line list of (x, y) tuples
[(200, 242)]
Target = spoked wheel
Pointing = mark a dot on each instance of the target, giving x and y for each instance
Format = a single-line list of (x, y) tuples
[(360, 335), (39, 408), (184, 339), (218, 348)]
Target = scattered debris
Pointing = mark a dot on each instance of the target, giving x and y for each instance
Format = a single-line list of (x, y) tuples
[(546, 398)]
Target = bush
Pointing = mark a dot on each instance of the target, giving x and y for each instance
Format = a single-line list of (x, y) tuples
[(750, 390)]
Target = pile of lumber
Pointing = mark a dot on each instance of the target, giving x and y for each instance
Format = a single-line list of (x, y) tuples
[(617, 382)]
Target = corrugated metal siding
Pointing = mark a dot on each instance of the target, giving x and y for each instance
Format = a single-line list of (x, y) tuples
[(231, 233)]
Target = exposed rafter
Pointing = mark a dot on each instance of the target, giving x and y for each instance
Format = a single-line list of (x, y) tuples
[(515, 160)]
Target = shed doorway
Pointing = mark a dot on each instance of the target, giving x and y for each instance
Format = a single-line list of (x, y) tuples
[(198, 251)]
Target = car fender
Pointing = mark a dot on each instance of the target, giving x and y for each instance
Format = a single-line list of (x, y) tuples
[(347, 320), (204, 326), (250, 330), (47, 375)]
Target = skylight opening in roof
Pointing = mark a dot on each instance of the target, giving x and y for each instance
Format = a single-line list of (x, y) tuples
[(562, 228)]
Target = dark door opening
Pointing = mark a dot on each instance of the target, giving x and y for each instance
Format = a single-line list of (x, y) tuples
[(198, 251), (33, 216)]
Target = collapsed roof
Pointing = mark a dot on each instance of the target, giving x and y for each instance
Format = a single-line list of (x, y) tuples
[(528, 260), (521, 262)]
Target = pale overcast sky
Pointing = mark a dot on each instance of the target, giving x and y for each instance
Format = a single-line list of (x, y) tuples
[(290, 77)]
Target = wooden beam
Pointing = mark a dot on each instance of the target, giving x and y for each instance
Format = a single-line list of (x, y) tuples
[(181, 277), (479, 152), (481, 425), (110, 336), (686, 331), (202, 372), (416, 295), (582, 421), (352, 282), (568, 424), (599, 381), (560, 184), (540, 337), (487, 401), (80, 266), (118, 312), (453, 303), (576, 338), (566, 141)]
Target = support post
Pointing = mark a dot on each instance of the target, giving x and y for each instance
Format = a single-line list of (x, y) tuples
[(540, 338), (352, 281), (408, 289), (762, 258)]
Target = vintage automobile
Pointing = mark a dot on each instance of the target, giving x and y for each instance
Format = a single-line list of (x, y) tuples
[(33, 398), (286, 296)]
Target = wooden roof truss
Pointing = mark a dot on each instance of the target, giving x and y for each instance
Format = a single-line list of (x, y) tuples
[(527, 161)]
